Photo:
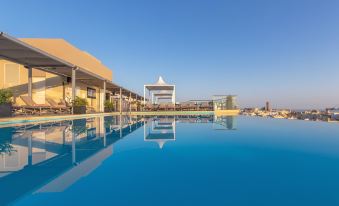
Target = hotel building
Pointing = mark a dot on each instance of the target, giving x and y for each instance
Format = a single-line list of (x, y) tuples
[(45, 68)]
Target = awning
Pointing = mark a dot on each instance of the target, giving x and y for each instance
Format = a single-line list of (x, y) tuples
[(17, 51)]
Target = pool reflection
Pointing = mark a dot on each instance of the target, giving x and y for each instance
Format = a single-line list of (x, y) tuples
[(159, 130), (50, 157), (224, 123)]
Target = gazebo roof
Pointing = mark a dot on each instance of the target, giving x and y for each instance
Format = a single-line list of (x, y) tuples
[(161, 81), (160, 138), (160, 85)]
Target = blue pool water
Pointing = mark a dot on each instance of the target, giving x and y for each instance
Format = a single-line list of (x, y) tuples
[(170, 161)]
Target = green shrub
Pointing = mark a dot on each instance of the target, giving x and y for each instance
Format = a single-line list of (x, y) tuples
[(5, 96), (109, 105), (79, 102)]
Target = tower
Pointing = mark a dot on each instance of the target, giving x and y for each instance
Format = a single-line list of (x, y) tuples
[(267, 107)]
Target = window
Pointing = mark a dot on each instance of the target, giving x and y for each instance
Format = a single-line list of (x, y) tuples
[(91, 93)]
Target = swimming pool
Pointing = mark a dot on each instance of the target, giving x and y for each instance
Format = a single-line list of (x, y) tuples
[(206, 160)]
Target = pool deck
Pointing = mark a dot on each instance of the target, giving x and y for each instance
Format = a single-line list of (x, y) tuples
[(51, 118)]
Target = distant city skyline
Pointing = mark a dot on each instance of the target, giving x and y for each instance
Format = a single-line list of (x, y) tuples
[(284, 52)]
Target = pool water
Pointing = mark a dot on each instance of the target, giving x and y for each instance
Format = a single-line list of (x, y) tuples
[(202, 160)]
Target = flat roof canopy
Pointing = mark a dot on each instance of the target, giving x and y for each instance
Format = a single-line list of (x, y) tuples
[(163, 94), (17, 51), (159, 87), (164, 98)]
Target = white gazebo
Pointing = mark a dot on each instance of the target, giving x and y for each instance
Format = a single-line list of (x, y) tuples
[(159, 91)]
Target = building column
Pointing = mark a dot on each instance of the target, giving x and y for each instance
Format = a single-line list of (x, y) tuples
[(30, 149), (63, 137), (120, 100), (152, 97), (73, 87), (73, 145), (30, 82), (144, 94), (136, 100), (173, 96), (103, 98), (130, 102), (120, 122), (102, 129)]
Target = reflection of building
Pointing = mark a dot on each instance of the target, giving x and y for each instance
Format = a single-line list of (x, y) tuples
[(195, 119), (160, 131), (42, 157), (224, 122)]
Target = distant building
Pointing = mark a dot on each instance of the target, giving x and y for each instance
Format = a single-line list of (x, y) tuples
[(230, 102), (267, 107), (334, 113), (224, 102)]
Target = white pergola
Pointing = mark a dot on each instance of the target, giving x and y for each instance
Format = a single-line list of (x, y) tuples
[(159, 90)]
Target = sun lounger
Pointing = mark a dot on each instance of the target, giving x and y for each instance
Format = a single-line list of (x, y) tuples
[(188, 106), (184, 106), (59, 107), (90, 110), (170, 106), (162, 107), (205, 106), (34, 107), (23, 110)]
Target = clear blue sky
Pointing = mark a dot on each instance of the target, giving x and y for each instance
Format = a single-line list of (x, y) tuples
[(284, 51)]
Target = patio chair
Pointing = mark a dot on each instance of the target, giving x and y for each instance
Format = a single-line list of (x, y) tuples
[(162, 107), (148, 107)]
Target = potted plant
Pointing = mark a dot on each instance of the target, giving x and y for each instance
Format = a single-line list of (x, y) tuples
[(137, 105), (5, 103), (79, 105), (109, 106)]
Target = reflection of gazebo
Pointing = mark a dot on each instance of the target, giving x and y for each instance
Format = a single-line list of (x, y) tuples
[(160, 91), (160, 131)]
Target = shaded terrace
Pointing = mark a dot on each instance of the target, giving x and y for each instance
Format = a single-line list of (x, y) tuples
[(17, 51)]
